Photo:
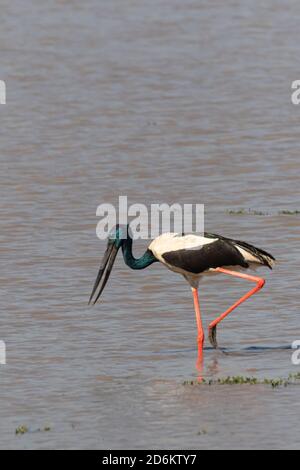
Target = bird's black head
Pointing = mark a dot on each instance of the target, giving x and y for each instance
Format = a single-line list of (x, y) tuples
[(116, 238)]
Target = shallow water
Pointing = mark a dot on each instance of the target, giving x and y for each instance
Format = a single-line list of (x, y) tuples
[(163, 102)]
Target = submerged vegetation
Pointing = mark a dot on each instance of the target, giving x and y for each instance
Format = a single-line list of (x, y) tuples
[(242, 380)]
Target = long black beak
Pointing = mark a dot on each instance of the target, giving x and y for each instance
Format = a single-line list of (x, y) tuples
[(104, 271)]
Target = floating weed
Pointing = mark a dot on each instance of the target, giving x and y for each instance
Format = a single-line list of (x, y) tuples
[(242, 380), (45, 429), (236, 212), (246, 212), (294, 376), (195, 382), (24, 429), (287, 212), (276, 382), (243, 211), (238, 380), (21, 430)]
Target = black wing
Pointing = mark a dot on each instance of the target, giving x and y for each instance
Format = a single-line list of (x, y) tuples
[(213, 255), (263, 256)]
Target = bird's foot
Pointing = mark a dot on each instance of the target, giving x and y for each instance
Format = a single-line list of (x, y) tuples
[(212, 335)]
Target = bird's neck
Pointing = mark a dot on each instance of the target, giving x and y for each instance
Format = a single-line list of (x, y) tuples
[(136, 263)]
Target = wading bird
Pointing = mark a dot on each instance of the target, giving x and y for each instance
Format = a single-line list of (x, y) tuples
[(193, 256)]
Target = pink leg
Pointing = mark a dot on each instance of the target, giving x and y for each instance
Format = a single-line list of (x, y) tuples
[(212, 329), (200, 338)]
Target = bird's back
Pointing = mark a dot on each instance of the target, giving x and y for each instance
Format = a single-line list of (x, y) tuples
[(196, 254)]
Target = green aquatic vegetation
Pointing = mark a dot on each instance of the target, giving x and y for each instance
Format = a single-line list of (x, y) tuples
[(246, 212), (243, 211), (236, 212), (287, 212), (45, 429), (294, 376), (276, 382), (243, 380), (238, 380), (22, 430)]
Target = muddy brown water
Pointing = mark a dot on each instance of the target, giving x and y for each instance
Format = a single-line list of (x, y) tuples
[(162, 102)]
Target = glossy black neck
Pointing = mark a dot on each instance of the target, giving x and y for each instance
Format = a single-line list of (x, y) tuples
[(136, 263)]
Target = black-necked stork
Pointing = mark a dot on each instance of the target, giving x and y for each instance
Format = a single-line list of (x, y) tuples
[(192, 256)]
